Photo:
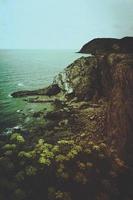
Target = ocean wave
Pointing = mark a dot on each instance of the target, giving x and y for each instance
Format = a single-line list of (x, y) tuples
[(11, 130), (9, 95), (20, 84)]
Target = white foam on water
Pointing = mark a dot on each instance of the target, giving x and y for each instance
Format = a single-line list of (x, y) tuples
[(8, 131), (17, 127), (20, 84), (9, 95)]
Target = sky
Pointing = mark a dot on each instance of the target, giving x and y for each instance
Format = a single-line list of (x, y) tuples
[(62, 24)]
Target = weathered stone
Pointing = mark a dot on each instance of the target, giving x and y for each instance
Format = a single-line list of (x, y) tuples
[(50, 90), (79, 78), (57, 115)]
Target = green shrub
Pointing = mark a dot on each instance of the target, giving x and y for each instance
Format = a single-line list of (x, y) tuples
[(19, 194), (18, 138), (30, 170), (66, 165), (9, 147)]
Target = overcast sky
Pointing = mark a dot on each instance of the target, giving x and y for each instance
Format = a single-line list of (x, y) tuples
[(62, 24)]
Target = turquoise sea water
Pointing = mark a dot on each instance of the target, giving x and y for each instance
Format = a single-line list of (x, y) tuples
[(27, 70)]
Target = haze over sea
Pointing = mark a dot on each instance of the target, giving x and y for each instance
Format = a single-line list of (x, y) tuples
[(27, 70)]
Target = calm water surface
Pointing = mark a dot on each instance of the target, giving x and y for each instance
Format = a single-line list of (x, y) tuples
[(27, 70)]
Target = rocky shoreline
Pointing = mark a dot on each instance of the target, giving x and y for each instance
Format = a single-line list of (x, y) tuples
[(86, 141)]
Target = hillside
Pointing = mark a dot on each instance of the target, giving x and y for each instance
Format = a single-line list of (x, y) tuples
[(108, 45)]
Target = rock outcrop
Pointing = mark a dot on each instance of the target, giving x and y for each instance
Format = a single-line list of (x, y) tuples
[(108, 45), (49, 91), (79, 79)]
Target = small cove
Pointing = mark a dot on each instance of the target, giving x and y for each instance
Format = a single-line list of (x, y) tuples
[(27, 70)]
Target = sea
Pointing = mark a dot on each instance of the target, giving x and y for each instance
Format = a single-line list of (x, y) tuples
[(27, 70)]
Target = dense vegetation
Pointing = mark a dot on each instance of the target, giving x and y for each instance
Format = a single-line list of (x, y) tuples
[(71, 169)]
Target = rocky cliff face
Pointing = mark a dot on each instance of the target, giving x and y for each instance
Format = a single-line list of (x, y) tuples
[(105, 77), (108, 45), (120, 104), (108, 77), (79, 79)]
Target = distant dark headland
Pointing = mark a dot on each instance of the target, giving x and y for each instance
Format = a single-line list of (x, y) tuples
[(108, 45)]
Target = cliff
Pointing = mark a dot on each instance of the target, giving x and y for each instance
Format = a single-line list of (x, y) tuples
[(85, 144), (102, 78), (108, 45), (120, 104), (109, 79)]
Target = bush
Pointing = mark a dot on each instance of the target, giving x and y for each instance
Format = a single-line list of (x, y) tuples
[(18, 138), (61, 171)]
